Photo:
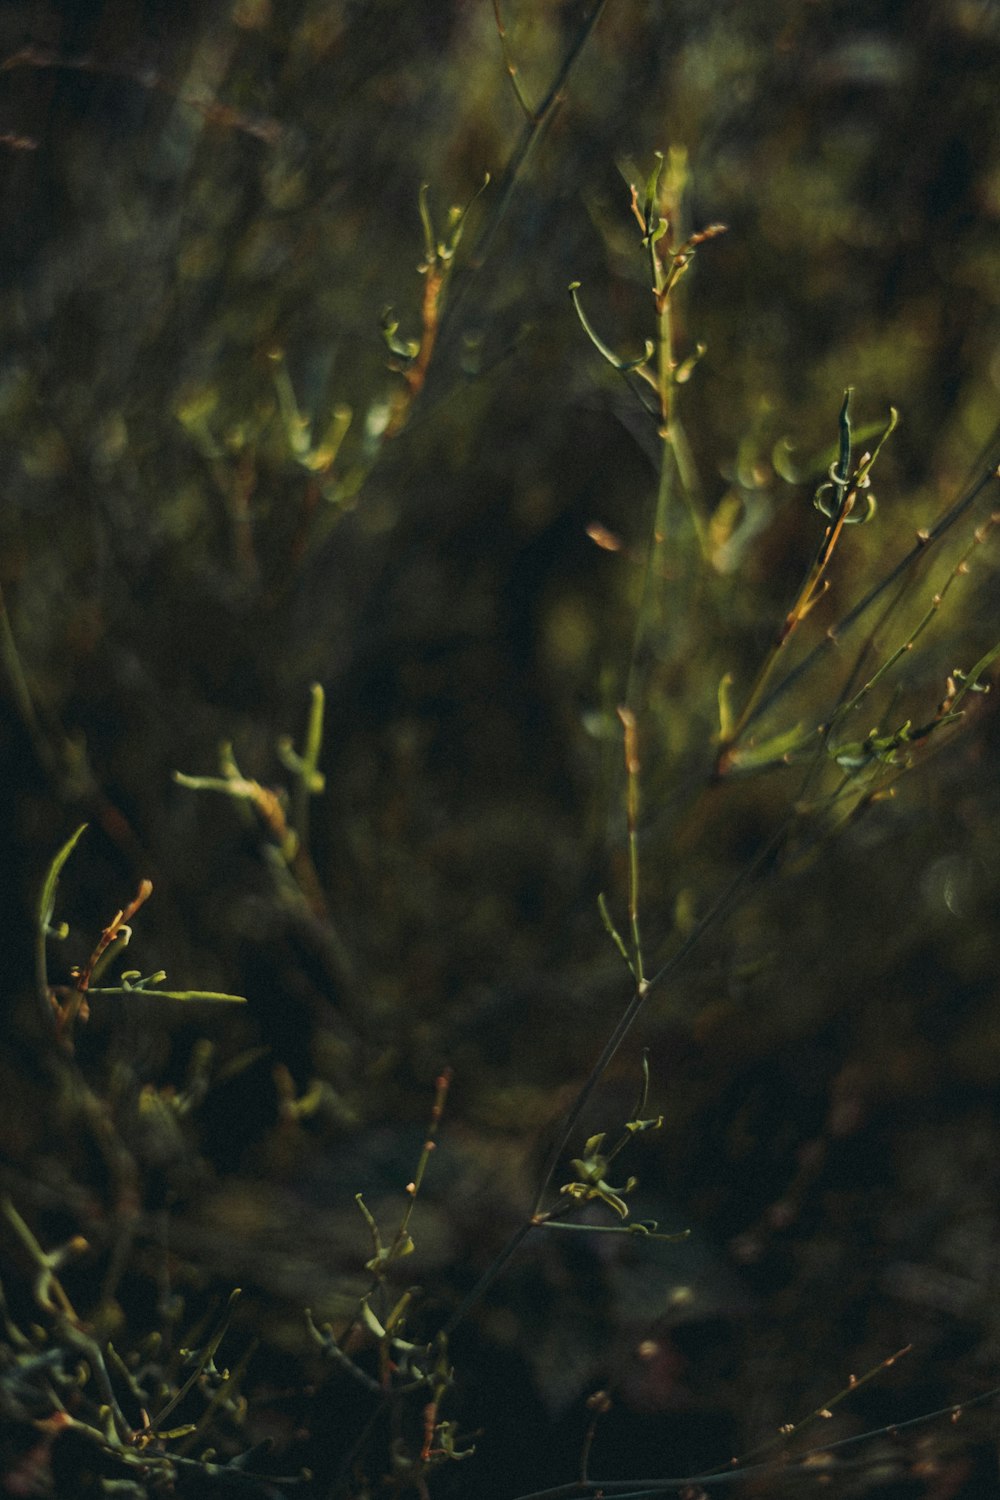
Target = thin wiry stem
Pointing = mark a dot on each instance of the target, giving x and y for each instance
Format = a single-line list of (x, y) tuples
[(533, 130), (806, 1463), (511, 66), (925, 541), (631, 1012), (632, 817)]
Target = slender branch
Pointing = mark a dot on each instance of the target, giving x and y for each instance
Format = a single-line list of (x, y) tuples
[(489, 1276), (845, 485), (511, 66), (10, 661), (639, 1489), (531, 133), (632, 814), (926, 540), (631, 1012)]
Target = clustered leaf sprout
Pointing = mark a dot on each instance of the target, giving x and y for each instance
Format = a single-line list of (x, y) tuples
[(70, 1003)]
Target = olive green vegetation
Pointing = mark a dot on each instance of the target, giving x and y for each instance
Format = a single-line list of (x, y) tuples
[(523, 670)]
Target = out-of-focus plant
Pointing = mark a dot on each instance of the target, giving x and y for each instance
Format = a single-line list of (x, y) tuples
[(74, 1391), (95, 1416), (680, 538), (410, 1379), (93, 1413)]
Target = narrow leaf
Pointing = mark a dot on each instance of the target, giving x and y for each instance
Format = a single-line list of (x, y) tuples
[(47, 903), (652, 196), (613, 933), (624, 366), (129, 991)]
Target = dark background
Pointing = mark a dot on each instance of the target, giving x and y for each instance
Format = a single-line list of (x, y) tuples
[(185, 190)]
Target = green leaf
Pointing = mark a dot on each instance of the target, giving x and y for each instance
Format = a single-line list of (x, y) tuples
[(425, 219), (624, 366), (772, 752), (864, 469), (650, 1229), (643, 1095), (47, 903), (211, 997), (651, 200), (404, 349), (684, 372), (370, 1321), (457, 217), (784, 455)]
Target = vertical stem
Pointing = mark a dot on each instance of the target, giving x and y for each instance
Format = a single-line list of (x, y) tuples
[(441, 1087), (304, 785), (632, 817), (667, 264), (652, 574), (11, 661)]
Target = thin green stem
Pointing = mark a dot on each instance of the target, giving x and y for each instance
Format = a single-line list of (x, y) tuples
[(652, 575), (926, 540), (10, 658), (511, 66), (642, 992), (958, 571), (413, 1188), (531, 134), (496, 1267), (632, 820)]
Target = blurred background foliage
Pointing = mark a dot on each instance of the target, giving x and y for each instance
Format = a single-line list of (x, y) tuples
[(216, 492)]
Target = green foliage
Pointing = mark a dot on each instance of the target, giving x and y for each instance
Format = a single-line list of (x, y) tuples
[(73, 1388), (70, 1003)]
